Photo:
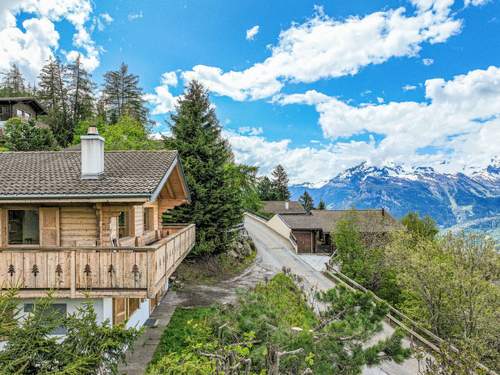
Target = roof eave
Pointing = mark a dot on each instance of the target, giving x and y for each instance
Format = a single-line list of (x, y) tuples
[(69, 198), (165, 177)]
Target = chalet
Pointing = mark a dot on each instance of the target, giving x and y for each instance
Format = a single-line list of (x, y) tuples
[(26, 108), (283, 207), (87, 226), (312, 233)]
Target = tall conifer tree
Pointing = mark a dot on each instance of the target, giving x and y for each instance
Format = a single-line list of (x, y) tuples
[(123, 96), (280, 183), (306, 201), (13, 83), (80, 91), (54, 95), (215, 204)]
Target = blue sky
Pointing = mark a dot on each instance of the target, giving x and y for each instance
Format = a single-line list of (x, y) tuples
[(320, 85)]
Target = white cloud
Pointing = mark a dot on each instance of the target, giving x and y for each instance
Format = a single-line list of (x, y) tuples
[(135, 16), (252, 32), (163, 100), (427, 61), (409, 87), (475, 2), (380, 100), (102, 20), (459, 123), (324, 47), (31, 45), (248, 130)]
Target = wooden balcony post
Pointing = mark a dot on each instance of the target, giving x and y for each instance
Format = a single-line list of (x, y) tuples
[(73, 273)]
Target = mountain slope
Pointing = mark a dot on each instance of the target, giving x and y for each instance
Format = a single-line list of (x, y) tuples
[(450, 199)]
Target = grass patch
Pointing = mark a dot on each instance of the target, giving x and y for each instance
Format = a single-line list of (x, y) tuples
[(182, 328)]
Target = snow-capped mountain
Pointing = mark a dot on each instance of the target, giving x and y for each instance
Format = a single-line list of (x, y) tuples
[(452, 200)]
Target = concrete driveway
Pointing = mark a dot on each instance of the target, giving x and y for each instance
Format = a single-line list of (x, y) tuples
[(275, 252)]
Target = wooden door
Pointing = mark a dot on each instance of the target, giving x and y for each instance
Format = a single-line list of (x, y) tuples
[(119, 310), (49, 226)]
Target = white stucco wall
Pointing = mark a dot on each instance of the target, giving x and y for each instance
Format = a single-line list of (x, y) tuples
[(103, 306), (139, 317), (279, 226)]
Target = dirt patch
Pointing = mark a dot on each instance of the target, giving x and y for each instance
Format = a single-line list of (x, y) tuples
[(211, 270), (225, 291)]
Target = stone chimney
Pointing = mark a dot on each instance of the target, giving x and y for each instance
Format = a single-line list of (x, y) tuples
[(287, 205), (92, 146)]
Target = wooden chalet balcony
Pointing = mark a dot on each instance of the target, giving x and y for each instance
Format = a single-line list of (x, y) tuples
[(134, 272)]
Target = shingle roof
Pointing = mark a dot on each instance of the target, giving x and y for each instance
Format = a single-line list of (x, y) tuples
[(326, 220), (301, 222), (58, 173), (279, 207)]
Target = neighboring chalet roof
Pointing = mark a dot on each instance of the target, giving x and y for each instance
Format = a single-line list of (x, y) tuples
[(34, 103), (298, 222), (374, 220), (57, 175), (326, 220), (280, 207)]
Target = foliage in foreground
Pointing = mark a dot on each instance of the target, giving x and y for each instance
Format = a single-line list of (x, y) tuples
[(126, 134), (21, 135), (272, 330), (87, 348), (448, 284)]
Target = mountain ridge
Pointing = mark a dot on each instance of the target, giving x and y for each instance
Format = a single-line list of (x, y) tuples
[(453, 200)]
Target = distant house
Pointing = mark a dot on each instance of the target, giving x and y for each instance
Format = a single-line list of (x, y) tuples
[(26, 108), (312, 233), (283, 207), (88, 226)]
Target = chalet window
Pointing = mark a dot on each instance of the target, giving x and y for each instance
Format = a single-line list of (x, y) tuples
[(148, 219), (55, 308), (123, 225), (24, 227)]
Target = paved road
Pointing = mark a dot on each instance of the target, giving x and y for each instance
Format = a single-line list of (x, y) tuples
[(275, 252)]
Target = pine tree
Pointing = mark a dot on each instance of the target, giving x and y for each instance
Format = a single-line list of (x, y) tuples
[(123, 96), (80, 92), (306, 201), (280, 183), (13, 83), (215, 205), (321, 205), (53, 94), (265, 189)]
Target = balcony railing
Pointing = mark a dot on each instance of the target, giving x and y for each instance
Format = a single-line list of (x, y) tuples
[(81, 272)]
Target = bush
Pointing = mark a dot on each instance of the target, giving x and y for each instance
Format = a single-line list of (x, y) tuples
[(272, 329), (23, 135)]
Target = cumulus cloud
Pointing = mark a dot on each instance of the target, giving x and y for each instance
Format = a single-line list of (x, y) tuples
[(249, 130), (409, 87), (252, 32), (457, 119), (324, 47), (163, 101), (31, 45), (427, 61)]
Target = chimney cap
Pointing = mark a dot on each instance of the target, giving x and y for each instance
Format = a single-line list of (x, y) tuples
[(92, 130)]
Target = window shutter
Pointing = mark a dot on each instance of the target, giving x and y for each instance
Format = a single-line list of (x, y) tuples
[(49, 226)]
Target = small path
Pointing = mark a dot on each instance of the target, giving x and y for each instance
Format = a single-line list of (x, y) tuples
[(145, 346)]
